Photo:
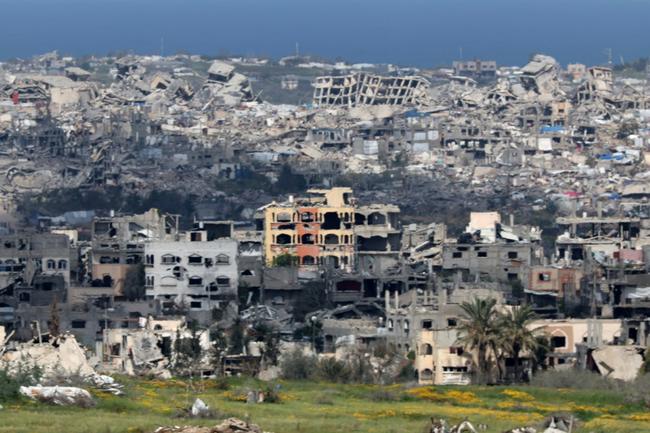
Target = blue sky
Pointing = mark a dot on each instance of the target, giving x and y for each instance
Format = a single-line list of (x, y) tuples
[(420, 32)]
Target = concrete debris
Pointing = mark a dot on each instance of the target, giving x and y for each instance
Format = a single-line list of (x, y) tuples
[(619, 362), (200, 409), (62, 358), (231, 425), (441, 426), (59, 395), (106, 384), (61, 361), (270, 373)]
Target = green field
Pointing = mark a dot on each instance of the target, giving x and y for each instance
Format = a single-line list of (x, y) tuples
[(328, 408)]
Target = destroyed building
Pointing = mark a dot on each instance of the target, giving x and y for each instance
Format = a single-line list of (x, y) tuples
[(118, 245), (477, 69), (316, 230), (488, 247), (197, 270), (367, 89)]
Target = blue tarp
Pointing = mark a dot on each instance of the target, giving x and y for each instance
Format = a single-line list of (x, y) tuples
[(415, 113), (610, 156), (547, 129)]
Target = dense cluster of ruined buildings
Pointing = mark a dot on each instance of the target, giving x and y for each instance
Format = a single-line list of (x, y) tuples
[(383, 282), (536, 137)]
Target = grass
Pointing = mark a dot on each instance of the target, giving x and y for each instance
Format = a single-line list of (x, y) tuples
[(329, 408)]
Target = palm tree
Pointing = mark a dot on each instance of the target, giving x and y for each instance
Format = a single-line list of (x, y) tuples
[(516, 334), (478, 331)]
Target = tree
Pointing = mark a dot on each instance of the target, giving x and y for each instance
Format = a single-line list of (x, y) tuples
[(478, 331), (187, 350), (237, 340), (312, 298), (290, 182), (271, 339), (219, 347), (55, 322), (516, 335), (540, 352), (285, 260)]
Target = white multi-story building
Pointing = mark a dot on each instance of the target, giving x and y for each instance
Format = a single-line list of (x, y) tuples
[(198, 271)]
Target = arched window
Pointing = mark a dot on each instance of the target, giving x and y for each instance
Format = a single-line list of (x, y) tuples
[(376, 218), (63, 264), (331, 239), (308, 260), (168, 259), (332, 261), (195, 259), (283, 239), (426, 349), (51, 264), (426, 374), (223, 259)]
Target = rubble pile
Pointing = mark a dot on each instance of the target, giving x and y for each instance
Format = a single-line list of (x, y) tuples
[(60, 358), (59, 362)]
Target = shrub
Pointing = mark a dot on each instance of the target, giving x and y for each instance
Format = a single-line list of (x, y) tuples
[(361, 371), (639, 391), (333, 370), (406, 373), (222, 384), (327, 397), (384, 395), (298, 366), (272, 393), (635, 392), (11, 381), (575, 379)]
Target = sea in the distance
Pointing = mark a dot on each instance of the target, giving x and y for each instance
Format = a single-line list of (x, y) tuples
[(408, 32)]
